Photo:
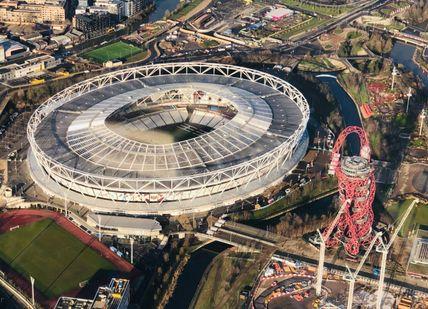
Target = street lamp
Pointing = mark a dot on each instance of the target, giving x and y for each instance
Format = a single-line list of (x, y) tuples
[(394, 73), (423, 116), (32, 290), (409, 95)]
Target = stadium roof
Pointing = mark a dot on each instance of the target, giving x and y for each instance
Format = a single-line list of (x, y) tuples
[(77, 134)]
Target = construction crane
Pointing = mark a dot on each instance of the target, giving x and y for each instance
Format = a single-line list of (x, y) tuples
[(384, 249), (321, 241), (352, 276)]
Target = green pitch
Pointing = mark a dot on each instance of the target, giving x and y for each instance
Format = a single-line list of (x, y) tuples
[(55, 258), (118, 50)]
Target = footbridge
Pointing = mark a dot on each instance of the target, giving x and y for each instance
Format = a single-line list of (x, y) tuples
[(243, 236)]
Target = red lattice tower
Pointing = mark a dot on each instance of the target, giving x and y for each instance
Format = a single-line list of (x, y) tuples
[(357, 188)]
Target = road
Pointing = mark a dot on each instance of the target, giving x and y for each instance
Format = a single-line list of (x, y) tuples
[(361, 273), (202, 55), (345, 20)]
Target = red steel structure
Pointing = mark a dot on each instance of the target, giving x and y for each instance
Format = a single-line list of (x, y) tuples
[(357, 188)]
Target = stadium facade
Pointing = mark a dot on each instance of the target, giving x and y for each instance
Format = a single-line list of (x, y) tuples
[(110, 142)]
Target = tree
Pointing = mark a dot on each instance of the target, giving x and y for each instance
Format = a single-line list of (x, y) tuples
[(388, 46), (166, 257), (167, 14)]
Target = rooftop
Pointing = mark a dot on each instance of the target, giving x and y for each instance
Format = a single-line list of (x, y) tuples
[(111, 221)]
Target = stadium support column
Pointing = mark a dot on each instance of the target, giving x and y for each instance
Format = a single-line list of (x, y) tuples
[(99, 227), (32, 290), (132, 249), (65, 207)]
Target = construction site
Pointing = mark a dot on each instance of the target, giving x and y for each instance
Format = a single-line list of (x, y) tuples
[(358, 271), (288, 283)]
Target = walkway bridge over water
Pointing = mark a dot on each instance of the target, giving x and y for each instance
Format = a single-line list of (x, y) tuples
[(242, 236)]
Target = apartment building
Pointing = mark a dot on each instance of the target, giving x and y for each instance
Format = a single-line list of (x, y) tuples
[(33, 11), (30, 67)]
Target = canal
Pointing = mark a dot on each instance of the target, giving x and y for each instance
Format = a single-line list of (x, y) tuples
[(189, 279), (348, 110), (161, 7), (403, 54)]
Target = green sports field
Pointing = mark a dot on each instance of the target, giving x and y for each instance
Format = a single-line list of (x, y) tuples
[(118, 50), (55, 258)]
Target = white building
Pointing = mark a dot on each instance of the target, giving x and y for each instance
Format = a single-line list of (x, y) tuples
[(115, 7), (124, 226), (30, 67), (10, 49)]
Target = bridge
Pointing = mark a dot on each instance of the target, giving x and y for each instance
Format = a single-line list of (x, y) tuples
[(244, 237)]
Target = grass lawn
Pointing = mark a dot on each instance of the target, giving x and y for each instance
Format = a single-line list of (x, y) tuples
[(304, 26), (295, 199), (55, 258), (318, 65), (418, 216), (220, 290), (358, 91), (325, 10), (118, 50)]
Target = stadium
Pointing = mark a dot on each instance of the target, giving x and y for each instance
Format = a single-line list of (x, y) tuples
[(173, 138)]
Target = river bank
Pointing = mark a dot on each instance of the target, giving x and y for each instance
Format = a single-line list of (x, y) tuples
[(404, 54), (347, 107), (191, 275)]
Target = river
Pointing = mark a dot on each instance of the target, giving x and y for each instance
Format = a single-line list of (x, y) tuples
[(403, 54), (189, 279), (348, 110), (161, 7)]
